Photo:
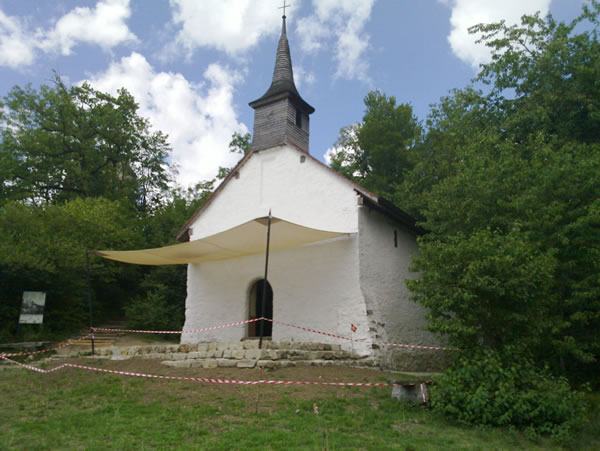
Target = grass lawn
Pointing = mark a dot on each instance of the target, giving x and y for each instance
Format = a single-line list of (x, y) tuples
[(78, 409)]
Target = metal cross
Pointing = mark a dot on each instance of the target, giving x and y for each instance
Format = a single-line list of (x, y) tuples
[(284, 6)]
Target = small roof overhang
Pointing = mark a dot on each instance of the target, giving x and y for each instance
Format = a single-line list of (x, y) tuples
[(249, 238)]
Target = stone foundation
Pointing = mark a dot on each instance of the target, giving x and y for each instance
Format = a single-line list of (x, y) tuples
[(245, 354)]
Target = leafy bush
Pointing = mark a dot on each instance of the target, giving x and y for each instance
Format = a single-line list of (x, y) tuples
[(506, 389), (154, 311)]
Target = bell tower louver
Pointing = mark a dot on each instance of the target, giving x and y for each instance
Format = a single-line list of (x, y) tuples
[(281, 116)]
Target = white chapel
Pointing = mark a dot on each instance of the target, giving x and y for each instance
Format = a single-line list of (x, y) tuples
[(339, 255)]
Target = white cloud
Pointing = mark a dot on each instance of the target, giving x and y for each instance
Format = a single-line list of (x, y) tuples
[(17, 48), (466, 13), (344, 20), (232, 26), (105, 25), (302, 77), (199, 118)]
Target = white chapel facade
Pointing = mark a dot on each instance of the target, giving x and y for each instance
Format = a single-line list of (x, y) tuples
[(357, 278)]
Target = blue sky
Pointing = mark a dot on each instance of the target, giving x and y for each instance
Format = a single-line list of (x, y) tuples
[(193, 65)]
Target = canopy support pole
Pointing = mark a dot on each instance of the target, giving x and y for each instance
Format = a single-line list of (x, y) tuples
[(89, 296), (264, 291)]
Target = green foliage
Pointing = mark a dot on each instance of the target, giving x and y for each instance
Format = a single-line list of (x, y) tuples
[(507, 185), (81, 171), (487, 288), (62, 143), (44, 249), (376, 152), (156, 310), (240, 143), (506, 389)]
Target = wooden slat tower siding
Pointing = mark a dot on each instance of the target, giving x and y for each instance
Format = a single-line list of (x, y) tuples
[(281, 116)]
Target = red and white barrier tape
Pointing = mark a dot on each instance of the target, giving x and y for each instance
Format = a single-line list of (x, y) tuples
[(383, 343), (205, 329), (239, 323), (307, 329), (64, 345), (196, 379), (396, 345), (423, 394)]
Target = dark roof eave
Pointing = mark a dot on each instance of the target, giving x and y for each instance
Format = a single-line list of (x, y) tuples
[(269, 98), (386, 207)]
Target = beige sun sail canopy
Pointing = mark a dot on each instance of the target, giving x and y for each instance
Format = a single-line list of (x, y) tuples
[(246, 239)]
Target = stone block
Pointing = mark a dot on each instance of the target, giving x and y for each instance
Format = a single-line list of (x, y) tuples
[(119, 357), (226, 363), (170, 363), (238, 354), (202, 347), (227, 354), (286, 363), (327, 355), (183, 348), (297, 355), (284, 345), (246, 363), (179, 356), (210, 363), (195, 355), (196, 363), (266, 364), (253, 354), (159, 349), (236, 346), (312, 355), (271, 354), (223, 346), (336, 347), (310, 346), (282, 354), (250, 344), (212, 346)]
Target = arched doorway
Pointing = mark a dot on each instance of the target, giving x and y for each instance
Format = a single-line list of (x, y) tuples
[(255, 308)]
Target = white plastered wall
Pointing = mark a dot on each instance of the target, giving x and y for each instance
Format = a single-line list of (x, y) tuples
[(304, 193), (315, 286), (383, 271)]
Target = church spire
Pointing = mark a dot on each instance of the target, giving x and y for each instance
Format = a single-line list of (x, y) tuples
[(287, 112)]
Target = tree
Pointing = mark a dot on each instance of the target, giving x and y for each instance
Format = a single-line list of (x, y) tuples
[(376, 152), (507, 186), (44, 249), (61, 143)]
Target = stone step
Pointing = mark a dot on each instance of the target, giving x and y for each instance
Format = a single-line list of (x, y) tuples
[(98, 342)]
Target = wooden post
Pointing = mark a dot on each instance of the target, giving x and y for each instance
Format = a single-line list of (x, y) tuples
[(89, 294), (264, 293)]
